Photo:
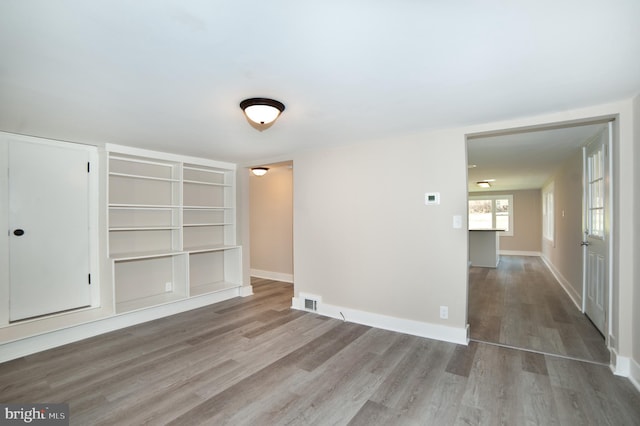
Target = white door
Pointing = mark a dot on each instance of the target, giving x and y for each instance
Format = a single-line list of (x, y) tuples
[(48, 229), (596, 230)]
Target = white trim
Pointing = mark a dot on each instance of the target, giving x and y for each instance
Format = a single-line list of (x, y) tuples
[(52, 339), (610, 234), (634, 374), (128, 150), (520, 253), (620, 365), (574, 295), (416, 328), (246, 290), (270, 275), (625, 367)]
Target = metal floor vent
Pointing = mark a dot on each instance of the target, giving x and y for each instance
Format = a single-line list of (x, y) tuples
[(311, 305)]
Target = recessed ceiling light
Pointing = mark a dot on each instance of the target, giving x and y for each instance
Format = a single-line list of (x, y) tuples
[(472, 166), (483, 184)]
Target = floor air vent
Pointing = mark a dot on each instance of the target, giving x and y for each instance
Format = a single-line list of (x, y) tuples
[(311, 305)]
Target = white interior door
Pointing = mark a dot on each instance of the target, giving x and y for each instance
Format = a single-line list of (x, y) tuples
[(596, 234), (49, 229)]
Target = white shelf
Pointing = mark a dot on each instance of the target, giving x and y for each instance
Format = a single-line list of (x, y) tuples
[(143, 228), (143, 206), (202, 169), (211, 288), (205, 249), (147, 302), (206, 208), (199, 182), (143, 255), (140, 160), (132, 176), (164, 253), (191, 225)]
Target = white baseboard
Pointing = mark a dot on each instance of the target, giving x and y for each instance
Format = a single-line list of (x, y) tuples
[(270, 275), (30, 345), (520, 253), (401, 325), (625, 367), (246, 290), (575, 296)]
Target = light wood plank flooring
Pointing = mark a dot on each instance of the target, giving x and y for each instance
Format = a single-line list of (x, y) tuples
[(253, 361), (521, 304)]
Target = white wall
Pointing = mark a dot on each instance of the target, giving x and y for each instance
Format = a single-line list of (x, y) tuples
[(363, 239), (243, 236), (564, 254), (271, 223)]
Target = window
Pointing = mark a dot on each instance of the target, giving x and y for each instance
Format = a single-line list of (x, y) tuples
[(492, 212), (548, 219), (595, 206)]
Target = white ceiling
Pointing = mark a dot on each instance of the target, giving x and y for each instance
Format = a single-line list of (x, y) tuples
[(524, 160), (169, 74)]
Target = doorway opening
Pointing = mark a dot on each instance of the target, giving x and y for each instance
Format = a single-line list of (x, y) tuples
[(535, 298), (271, 223)]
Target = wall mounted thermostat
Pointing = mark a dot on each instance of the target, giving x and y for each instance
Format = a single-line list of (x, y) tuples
[(432, 198)]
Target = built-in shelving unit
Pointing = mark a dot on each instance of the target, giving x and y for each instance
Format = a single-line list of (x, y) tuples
[(209, 229), (171, 230)]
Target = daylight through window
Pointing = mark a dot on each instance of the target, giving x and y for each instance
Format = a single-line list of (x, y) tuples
[(491, 212)]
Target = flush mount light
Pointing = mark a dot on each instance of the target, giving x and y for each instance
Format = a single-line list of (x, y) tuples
[(483, 184), (261, 112), (259, 171)]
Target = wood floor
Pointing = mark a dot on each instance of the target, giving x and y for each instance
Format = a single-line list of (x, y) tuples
[(521, 304), (253, 361)]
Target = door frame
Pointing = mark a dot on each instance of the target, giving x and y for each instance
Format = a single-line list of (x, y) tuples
[(608, 205), (614, 133), (94, 211)]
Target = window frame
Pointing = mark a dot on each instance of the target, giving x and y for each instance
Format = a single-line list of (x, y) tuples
[(493, 198), (548, 217)]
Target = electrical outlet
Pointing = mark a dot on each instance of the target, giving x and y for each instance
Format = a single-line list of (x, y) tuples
[(168, 286), (444, 312)]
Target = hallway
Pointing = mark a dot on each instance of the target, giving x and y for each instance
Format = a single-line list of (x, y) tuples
[(520, 304)]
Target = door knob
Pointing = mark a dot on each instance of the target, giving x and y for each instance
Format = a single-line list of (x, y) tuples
[(18, 232)]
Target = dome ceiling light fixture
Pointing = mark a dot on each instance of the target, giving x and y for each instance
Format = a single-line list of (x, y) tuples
[(259, 171), (261, 113)]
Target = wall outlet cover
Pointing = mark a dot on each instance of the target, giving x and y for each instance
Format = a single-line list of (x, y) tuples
[(444, 312)]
